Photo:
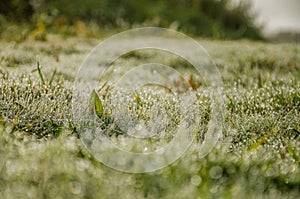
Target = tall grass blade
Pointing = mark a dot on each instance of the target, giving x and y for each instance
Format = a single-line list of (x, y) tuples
[(96, 104), (52, 77), (40, 73)]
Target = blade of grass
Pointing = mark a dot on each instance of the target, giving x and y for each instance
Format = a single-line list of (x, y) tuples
[(99, 90), (40, 73), (261, 140), (52, 77), (96, 104), (137, 98)]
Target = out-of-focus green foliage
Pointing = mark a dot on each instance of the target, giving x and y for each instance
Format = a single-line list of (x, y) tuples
[(17, 10), (210, 18)]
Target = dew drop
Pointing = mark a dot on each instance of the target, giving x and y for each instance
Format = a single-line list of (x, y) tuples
[(138, 127), (196, 180)]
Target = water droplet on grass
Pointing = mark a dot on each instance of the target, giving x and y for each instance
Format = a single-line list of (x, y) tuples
[(196, 180), (138, 127), (216, 172)]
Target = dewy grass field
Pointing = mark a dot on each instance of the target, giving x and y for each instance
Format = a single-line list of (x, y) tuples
[(41, 155)]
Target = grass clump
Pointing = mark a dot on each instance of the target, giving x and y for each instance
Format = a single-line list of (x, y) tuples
[(34, 106)]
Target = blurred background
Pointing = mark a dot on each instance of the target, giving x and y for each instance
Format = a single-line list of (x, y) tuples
[(218, 19)]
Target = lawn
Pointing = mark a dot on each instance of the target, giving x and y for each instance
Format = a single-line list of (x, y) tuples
[(42, 155)]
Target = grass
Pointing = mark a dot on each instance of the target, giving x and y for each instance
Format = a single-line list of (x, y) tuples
[(41, 155)]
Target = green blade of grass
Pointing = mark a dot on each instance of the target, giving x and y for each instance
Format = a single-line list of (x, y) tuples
[(96, 104), (100, 89), (261, 140), (40, 73), (52, 77), (137, 98)]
